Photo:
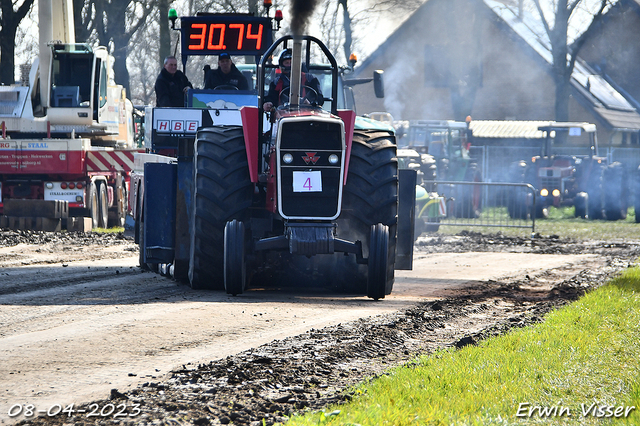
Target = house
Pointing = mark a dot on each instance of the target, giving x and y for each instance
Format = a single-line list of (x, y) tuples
[(612, 48), (454, 58)]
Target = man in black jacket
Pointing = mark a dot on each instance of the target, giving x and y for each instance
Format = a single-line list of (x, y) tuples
[(282, 81), (171, 84), (226, 75)]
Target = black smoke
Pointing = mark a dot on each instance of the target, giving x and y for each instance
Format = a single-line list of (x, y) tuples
[(301, 11)]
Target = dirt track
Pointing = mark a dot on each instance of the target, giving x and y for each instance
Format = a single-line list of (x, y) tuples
[(79, 322)]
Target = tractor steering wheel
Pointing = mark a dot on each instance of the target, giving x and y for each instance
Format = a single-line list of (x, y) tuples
[(310, 97), (225, 87)]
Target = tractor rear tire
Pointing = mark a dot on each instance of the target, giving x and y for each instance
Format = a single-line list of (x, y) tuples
[(222, 192), (594, 189), (377, 264), (235, 274), (468, 198), (518, 205), (581, 205), (614, 187), (636, 194), (369, 197)]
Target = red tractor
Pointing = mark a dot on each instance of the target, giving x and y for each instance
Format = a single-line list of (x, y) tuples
[(303, 193), (596, 189)]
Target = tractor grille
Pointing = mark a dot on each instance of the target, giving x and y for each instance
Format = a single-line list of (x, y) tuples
[(551, 183), (310, 185)]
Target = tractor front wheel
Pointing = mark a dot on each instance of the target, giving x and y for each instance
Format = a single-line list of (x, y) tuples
[(377, 262), (235, 276), (369, 197)]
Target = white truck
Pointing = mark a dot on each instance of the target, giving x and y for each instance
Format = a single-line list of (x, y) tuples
[(67, 141)]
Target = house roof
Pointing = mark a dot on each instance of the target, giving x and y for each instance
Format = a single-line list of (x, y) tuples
[(530, 30), (596, 92), (507, 129)]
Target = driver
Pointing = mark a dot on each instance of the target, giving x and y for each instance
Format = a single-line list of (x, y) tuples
[(227, 74), (282, 82)]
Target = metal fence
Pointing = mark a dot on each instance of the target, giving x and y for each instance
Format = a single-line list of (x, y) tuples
[(494, 161), (484, 204)]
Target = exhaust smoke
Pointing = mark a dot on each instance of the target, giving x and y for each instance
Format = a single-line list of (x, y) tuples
[(301, 11)]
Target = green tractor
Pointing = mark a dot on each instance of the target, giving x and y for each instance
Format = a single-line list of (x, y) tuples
[(443, 147)]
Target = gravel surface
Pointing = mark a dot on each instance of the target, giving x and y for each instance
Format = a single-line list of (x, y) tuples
[(266, 384)]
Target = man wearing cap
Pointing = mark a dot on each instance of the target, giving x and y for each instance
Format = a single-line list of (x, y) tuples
[(227, 74)]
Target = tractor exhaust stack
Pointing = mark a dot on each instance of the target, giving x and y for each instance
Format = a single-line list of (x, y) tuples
[(296, 72)]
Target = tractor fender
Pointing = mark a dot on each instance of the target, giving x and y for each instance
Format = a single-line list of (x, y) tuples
[(250, 118)]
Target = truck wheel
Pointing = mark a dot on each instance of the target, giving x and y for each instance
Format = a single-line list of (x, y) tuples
[(614, 187), (369, 197), (235, 277), (377, 263), (117, 215), (94, 209), (222, 192), (103, 206)]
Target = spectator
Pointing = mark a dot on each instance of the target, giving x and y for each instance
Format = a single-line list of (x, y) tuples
[(171, 84), (226, 75)]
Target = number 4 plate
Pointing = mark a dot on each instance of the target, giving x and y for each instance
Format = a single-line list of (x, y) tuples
[(307, 181)]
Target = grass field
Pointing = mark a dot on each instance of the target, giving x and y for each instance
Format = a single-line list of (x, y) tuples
[(580, 366), (561, 222)]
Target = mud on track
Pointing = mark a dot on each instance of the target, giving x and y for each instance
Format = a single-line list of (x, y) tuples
[(313, 369)]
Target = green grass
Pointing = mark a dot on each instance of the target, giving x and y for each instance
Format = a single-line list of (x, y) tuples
[(561, 222), (114, 230), (585, 353)]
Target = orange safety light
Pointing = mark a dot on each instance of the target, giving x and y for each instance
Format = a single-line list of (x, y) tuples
[(353, 59)]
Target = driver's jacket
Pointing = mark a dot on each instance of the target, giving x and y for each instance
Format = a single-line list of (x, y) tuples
[(282, 82), (216, 78)]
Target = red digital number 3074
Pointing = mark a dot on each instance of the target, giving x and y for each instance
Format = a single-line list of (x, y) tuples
[(224, 36)]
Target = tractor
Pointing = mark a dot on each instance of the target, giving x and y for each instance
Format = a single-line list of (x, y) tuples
[(596, 189), (444, 147), (303, 193)]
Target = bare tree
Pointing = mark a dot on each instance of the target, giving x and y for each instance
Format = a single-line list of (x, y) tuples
[(557, 23), (341, 19), (115, 22), (13, 12)]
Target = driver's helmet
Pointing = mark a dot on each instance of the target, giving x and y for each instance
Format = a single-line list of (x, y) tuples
[(284, 55)]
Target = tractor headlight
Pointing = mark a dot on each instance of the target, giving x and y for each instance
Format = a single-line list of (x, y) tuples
[(287, 158), (556, 193), (333, 159), (544, 192)]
